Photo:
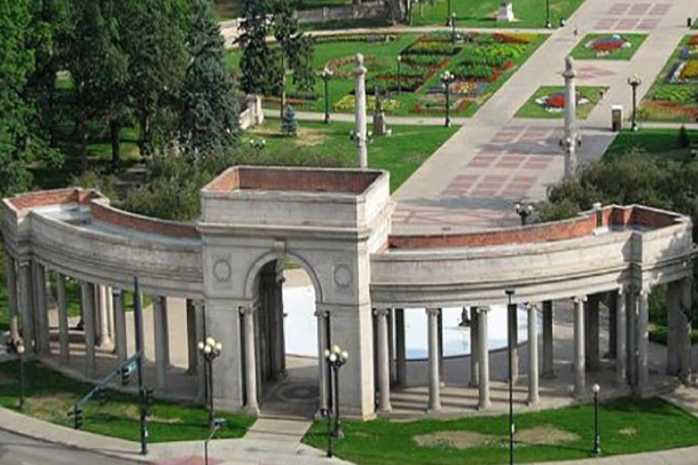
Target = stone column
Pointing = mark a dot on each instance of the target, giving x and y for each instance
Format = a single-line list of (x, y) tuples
[(400, 349), (506, 12), (685, 350), (433, 343), (120, 335), (571, 136), (621, 358), (548, 354), (104, 338), (12, 300), (383, 360), (591, 333), (579, 359), (324, 369), (612, 302), (474, 347), (513, 328), (391, 347), (642, 340), (251, 406), (631, 335), (88, 301), (192, 356), (162, 345), (41, 310), (533, 394), (200, 335), (63, 331), (440, 330), (484, 364), (26, 300), (360, 117)]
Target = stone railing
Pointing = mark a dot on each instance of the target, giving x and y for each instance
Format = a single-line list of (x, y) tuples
[(252, 115)]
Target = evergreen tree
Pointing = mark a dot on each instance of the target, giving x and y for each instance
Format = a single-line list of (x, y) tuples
[(209, 118), (684, 140), (289, 123), (153, 37), (256, 55)]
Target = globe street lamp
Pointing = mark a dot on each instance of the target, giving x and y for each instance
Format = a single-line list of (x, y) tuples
[(210, 349), (511, 307), (336, 358), (524, 211), (597, 437), (548, 24), (326, 75), (634, 82), (446, 79), (399, 84)]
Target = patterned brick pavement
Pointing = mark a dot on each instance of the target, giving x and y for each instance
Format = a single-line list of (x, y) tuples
[(629, 16)]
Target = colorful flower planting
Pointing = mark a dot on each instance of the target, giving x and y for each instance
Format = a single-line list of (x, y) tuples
[(556, 102), (550, 102), (608, 46), (674, 95)]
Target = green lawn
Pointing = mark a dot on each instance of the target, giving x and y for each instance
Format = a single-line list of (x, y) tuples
[(627, 426), (330, 145), (50, 395), (584, 51), (671, 101), (381, 62), (482, 13), (662, 143), (533, 109)]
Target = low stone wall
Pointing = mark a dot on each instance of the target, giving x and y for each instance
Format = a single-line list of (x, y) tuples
[(253, 114), (368, 10)]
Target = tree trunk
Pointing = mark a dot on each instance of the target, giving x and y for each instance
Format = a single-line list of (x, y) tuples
[(82, 137), (115, 130)]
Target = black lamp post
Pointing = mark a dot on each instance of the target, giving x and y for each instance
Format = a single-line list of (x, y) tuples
[(18, 346), (548, 24), (597, 437), (451, 16), (336, 358), (210, 349), (326, 75), (634, 82), (446, 79), (453, 28), (218, 423), (511, 307), (399, 84), (524, 211)]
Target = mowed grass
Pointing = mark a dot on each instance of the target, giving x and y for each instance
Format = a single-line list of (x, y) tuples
[(330, 145), (532, 109), (50, 395), (482, 13), (627, 426), (381, 58), (583, 52), (657, 143)]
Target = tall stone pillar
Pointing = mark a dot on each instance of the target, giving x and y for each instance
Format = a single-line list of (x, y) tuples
[(506, 12), (440, 332), (200, 335), (12, 298), (533, 394), (484, 364), (120, 334), (162, 344), (383, 360), (631, 334), (400, 349), (26, 300), (433, 343), (474, 347), (621, 329), (63, 331), (571, 136), (192, 356), (548, 354), (579, 359), (324, 369), (612, 302), (391, 347), (513, 328), (103, 308), (252, 405), (642, 340), (360, 117), (591, 333), (88, 299), (41, 310)]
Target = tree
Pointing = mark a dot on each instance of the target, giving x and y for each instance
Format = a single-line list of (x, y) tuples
[(209, 117), (153, 38), (256, 54), (289, 123), (97, 65)]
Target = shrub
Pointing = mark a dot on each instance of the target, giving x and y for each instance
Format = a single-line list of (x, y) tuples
[(429, 61), (684, 141), (289, 123), (431, 48), (475, 71), (690, 70)]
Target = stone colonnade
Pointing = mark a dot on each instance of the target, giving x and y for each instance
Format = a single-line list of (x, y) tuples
[(628, 344), (34, 288)]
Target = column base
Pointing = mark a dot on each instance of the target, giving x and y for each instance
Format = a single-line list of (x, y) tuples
[(473, 384), (251, 410), (549, 375), (384, 412), (434, 411), (486, 406), (533, 402)]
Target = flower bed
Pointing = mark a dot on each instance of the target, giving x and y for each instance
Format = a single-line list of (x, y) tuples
[(606, 45), (689, 71)]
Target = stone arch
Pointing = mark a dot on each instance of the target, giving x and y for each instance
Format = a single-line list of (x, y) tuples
[(252, 277)]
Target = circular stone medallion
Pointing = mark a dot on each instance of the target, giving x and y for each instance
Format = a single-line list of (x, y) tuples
[(222, 270)]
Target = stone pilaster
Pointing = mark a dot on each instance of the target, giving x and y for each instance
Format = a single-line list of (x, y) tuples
[(40, 309), (63, 331), (579, 356), (323, 368), (12, 298), (533, 393), (484, 365), (433, 343), (26, 301), (642, 340), (383, 360)]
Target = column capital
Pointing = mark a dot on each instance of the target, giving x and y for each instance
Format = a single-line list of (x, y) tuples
[(481, 309), (432, 311), (321, 313), (116, 292), (382, 312), (23, 262), (579, 299), (248, 310)]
